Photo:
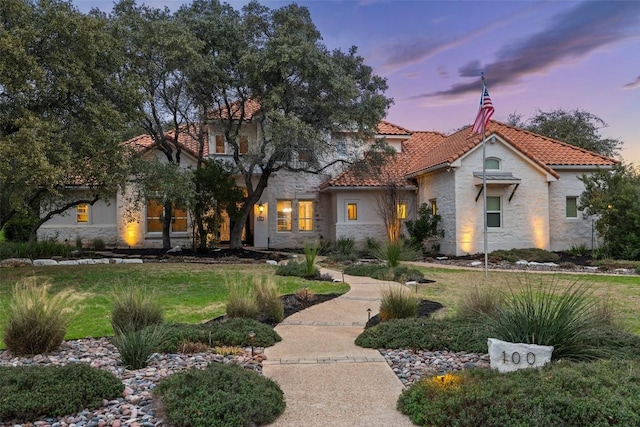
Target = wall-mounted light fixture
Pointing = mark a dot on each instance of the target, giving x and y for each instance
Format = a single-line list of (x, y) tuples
[(260, 212)]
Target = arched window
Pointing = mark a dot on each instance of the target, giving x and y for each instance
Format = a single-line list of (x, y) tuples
[(492, 164)]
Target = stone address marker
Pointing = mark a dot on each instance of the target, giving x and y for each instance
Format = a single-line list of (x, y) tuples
[(508, 357)]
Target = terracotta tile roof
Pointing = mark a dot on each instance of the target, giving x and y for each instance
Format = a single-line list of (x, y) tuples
[(145, 143), (546, 152), (251, 107), (386, 128), (395, 170)]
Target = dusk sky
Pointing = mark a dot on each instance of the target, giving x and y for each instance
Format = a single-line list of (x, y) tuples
[(535, 55)]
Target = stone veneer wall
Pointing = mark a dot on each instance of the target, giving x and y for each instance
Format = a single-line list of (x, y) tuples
[(525, 219), (566, 232), (101, 225), (440, 186)]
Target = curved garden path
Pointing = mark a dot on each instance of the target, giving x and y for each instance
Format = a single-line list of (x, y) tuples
[(327, 380)]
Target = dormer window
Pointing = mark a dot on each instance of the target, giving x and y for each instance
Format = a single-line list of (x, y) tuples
[(492, 164)]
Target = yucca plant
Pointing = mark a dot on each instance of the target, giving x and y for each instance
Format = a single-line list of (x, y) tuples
[(310, 253), (37, 320), (397, 303), (395, 251), (134, 309), (137, 346), (546, 315)]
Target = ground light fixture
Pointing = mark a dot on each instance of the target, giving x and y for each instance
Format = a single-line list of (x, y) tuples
[(252, 335), (368, 315)]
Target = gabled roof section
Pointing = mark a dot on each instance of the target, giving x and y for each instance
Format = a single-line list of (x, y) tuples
[(395, 170), (386, 128), (251, 108), (143, 143), (546, 152)]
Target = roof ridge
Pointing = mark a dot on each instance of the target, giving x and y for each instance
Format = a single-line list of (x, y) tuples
[(557, 141)]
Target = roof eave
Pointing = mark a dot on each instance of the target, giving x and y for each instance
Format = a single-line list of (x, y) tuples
[(330, 188)]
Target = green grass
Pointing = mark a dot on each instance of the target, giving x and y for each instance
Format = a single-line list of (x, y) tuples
[(452, 285), (188, 293)]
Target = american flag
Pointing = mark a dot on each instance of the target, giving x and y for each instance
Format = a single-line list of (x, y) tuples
[(486, 107)]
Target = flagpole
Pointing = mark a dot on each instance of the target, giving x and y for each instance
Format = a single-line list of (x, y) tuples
[(484, 188)]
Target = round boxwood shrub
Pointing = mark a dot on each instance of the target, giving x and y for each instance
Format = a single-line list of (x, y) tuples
[(30, 392), (222, 395)]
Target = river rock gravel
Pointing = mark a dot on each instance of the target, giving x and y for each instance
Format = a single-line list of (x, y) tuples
[(135, 407)]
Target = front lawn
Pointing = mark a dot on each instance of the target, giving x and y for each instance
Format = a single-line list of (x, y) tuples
[(188, 292)]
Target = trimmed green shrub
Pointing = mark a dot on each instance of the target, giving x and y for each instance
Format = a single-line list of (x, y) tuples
[(579, 249), (297, 269), (397, 302), (379, 271), (31, 392), (137, 346), (18, 228), (232, 332), (452, 334), (222, 395), (133, 310), (544, 315), (568, 394), (44, 249), (37, 321), (529, 254)]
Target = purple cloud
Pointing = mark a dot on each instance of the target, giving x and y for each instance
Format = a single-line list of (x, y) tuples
[(632, 85), (589, 26)]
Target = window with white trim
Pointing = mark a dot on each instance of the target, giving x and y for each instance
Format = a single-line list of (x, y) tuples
[(494, 212), (305, 215), (571, 207), (82, 213), (284, 211), (492, 164)]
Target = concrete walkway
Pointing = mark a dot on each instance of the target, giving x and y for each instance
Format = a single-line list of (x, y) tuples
[(327, 380)]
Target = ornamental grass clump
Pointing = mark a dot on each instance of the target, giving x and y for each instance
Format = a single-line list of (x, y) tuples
[(267, 297), (241, 302), (544, 314), (480, 301), (397, 303), (37, 320), (133, 310)]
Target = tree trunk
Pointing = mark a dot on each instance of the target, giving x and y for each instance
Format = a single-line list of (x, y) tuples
[(235, 237), (166, 225)]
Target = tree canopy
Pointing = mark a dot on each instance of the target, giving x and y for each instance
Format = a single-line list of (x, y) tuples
[(64, 97), (613, 196), (275, 59), (576, 127), (72, 84)]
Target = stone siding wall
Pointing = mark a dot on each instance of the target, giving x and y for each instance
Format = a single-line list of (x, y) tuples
[(567, 232)]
